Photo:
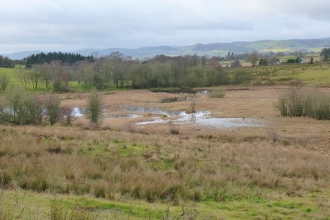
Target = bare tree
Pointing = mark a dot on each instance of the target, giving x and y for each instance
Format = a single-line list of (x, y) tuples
[(273, 60), (23, 77), (4, 82), (46, 74), (34, 76), (79, 68), (253, 58), (118, 67)]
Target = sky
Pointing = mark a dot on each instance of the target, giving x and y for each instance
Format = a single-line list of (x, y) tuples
[(62, 25)]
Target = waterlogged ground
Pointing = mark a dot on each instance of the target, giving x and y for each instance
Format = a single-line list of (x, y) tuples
[(199, 118), (263, 166), (248, 110)]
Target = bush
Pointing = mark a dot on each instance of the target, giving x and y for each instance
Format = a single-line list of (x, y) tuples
[(53, 110), (94, 108), (67, 114), (299, 102), (20, 108), (240, 77)]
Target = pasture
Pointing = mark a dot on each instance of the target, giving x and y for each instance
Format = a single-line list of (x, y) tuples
[(150, 164), (305, 74)]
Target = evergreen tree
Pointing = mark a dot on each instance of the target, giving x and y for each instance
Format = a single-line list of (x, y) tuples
[(326, 54)]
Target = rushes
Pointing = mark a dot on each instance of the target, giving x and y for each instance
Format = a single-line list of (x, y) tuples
[(57, 212), (216, 93), (125, 169), (299, 102), (174, 129)]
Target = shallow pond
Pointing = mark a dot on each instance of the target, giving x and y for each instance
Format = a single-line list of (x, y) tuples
[(78, 112), (200, 118)]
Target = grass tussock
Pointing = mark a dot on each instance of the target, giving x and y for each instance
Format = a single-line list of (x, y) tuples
[(216, 93), (57, 212), (174, 129), (304, 103), (115, 165)]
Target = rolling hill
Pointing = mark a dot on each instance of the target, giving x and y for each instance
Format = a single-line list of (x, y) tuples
[(212, 49)]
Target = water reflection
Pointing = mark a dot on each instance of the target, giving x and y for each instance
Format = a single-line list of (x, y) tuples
[(152, 110), (78, 112), (200, 118)]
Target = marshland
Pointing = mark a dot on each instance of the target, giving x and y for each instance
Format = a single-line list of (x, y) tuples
[(254, 148)]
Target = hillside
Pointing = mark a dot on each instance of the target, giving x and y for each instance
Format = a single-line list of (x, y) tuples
[(213, 49)]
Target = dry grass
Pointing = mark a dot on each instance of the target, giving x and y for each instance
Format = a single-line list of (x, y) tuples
[(110, 164), (123, 160)]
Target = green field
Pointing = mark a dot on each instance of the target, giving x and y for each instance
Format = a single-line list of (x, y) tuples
[(11, 74), (18, 204), (308, 74)]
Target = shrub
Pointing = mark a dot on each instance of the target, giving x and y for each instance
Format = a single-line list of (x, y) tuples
[(192, 108), (53, 110), (240, 77), (20, 108), (94, 108), (67, 115)]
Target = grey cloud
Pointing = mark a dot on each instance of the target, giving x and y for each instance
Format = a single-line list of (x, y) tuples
[(130, 23)]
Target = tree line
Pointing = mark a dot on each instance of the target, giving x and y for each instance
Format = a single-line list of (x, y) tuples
[(69, 58), (121, 71), (6, 62)]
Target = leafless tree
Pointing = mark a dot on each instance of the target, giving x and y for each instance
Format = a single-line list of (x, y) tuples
[(34, 76), (46, 74), (4, 80), (253, 58), (119, 67), (23, 77)]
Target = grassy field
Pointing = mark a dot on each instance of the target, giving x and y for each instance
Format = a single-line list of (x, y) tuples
[(11, 74), (305, 74), (122, 170)]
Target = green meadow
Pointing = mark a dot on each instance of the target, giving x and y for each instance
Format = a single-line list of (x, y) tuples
[(18, 204)]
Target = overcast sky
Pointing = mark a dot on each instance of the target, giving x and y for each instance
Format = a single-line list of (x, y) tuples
[(65, 25)]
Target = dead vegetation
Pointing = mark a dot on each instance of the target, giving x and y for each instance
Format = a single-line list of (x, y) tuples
[(113, 164), (123, 160)]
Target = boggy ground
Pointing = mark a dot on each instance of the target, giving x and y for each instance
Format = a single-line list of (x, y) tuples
[(121, 170), (256, 102)]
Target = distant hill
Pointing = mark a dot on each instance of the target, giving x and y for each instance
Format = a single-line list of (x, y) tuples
[(213, 49), (20, 55)]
